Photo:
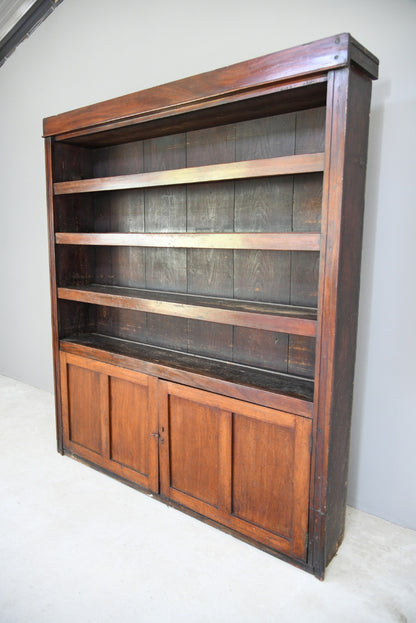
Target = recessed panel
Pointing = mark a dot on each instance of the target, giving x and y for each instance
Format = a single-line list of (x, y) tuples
[(129, 428), (263, 474), (194, 449), (84, 408)]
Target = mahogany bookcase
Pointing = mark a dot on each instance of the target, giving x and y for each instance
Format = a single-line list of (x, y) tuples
[(205, 243)]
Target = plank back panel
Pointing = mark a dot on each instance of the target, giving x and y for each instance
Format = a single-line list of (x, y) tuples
[(165, 210), (210, 207)]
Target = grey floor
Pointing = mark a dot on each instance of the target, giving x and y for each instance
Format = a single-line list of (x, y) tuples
[(76, 545)]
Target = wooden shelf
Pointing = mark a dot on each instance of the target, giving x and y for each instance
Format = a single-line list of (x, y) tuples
[(251, 314), (298, 388), (289, 241), (265, 167)]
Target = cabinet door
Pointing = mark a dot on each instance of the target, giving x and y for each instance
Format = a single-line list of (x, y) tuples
[(242, 465), (109, 417)]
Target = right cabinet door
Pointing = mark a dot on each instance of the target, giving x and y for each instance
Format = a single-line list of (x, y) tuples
[(240, 464)]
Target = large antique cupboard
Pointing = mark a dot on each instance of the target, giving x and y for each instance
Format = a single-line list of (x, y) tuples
[(205, 242)]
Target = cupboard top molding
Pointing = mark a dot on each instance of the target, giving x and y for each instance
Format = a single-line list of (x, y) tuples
[(252, 78)]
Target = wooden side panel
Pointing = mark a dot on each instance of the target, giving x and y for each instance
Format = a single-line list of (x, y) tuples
[(244, 466), (347, 309), (71, 163), (347, 134)]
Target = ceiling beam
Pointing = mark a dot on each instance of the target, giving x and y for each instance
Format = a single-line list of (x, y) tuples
[(35, 15)]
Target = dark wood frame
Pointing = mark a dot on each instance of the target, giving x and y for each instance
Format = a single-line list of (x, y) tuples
[(335, 73)]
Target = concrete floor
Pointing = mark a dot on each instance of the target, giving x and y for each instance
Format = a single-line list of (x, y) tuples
[(76, 545)]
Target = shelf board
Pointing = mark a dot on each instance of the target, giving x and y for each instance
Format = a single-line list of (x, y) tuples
[(288, 241), (265, 167), (251, 314), (296, 392)]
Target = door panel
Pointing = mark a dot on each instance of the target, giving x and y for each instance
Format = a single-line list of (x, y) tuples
[(110, 418), (129, 424), (84, 413), (263, 474), (242, 465), (194, 449)]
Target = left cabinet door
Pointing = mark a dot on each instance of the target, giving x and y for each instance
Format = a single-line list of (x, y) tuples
[(110, 419)]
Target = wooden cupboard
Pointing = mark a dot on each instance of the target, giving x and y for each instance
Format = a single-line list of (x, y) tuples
[(205, 240)]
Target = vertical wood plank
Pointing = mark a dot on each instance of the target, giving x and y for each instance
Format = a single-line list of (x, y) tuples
[(74, 213), (263, 349), (75, 318), (270, 201), (70, 162), (123, 159), (263, 205), (266, 138), (210, 207), (121, 266), (262, 275), (165, 207), (310, 130), (307, 208), (301, 360), (122, 323), (307, 202), (121, 211), (210, 339), (304, 278), (165, 210)]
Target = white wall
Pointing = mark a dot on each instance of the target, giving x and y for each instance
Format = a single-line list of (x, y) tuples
[(90, 51)]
